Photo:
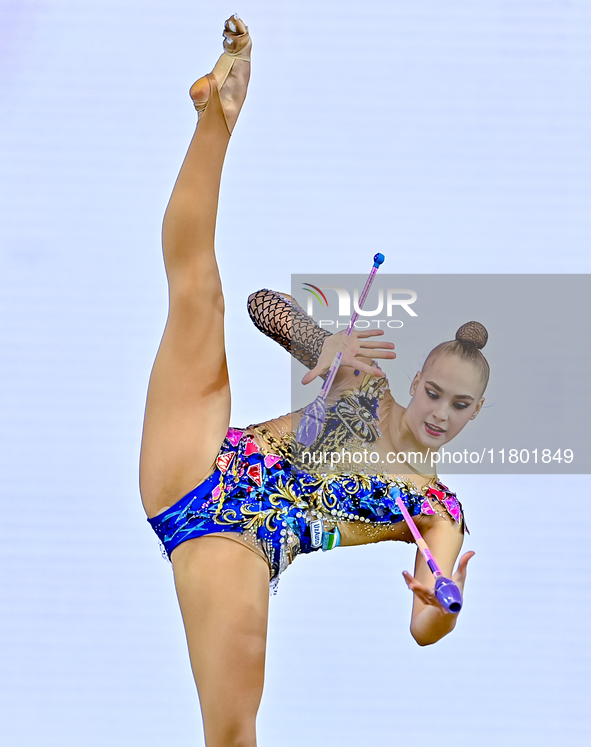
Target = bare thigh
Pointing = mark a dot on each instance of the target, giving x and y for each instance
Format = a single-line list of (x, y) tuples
[(188, 404), (223, 592)]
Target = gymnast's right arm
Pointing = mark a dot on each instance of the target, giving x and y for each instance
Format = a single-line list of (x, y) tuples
[(281, 318)]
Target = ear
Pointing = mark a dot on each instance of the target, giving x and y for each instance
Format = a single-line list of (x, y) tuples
[(415, 384), (478, 408)]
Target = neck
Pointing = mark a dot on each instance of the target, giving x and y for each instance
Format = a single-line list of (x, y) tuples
[(405, 442)]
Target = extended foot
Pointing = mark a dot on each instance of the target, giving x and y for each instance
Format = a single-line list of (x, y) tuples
[(231, 73)]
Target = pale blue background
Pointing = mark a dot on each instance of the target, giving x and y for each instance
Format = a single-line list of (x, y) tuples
[(454, 137)]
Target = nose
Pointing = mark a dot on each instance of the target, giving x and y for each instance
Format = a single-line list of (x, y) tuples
[(440, 411)]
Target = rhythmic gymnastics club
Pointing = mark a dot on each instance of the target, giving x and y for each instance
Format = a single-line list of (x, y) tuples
[(314, 415), (446, 591)]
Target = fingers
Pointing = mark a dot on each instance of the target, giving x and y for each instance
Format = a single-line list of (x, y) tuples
[(381, 345), (379, 349), (426, 595), (410, 580), (367, 332), (460, 575), (389, 354), (357, 337), (372, 370), (463, 564), (311, 375), (466, 557), (363, 334), (413, 584), (375, 345)]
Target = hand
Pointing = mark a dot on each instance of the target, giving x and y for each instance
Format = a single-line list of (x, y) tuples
[(356, 351), (427, 594)]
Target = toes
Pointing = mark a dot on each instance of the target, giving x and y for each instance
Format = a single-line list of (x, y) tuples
[(236, 24), (234, 27)]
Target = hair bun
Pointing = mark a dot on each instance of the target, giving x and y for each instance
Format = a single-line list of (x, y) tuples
[(474, 333)]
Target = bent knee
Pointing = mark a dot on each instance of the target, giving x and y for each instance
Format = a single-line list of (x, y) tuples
[(202, 293), (199, 272)]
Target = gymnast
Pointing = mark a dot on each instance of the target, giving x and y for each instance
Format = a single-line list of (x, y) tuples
[(234, 507)]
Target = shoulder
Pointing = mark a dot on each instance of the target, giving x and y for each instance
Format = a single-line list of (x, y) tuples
[(440, 502)]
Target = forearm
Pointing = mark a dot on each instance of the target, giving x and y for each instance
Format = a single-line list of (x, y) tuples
[(431, 624), (287, 323)]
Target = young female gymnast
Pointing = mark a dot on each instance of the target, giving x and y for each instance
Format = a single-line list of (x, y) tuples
[(261, 498)]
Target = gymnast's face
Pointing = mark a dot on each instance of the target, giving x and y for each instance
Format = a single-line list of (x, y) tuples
[(446, 394)]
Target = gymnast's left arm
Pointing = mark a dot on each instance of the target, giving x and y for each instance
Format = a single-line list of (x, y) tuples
[(429, 621)]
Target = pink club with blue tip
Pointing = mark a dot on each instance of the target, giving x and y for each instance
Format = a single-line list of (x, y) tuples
[(446, 591)]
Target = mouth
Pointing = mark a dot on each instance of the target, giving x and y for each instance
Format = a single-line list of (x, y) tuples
[(433, 430)]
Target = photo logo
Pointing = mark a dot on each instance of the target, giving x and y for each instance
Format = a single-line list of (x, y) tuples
[(400, 298), (388, 301), (317, 293)]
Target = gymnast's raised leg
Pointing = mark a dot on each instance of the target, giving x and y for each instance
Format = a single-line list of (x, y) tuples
[(223, 588)]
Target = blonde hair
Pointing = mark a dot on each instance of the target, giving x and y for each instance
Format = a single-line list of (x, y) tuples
[(470, 339)]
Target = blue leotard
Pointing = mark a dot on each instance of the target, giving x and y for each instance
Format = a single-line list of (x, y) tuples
[(286, 511), (280, 496)]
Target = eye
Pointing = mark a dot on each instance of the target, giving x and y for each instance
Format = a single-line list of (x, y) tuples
[(432, 394), (460, 405)]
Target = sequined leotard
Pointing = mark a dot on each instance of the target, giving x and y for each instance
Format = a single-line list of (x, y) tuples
[(280, 499)]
